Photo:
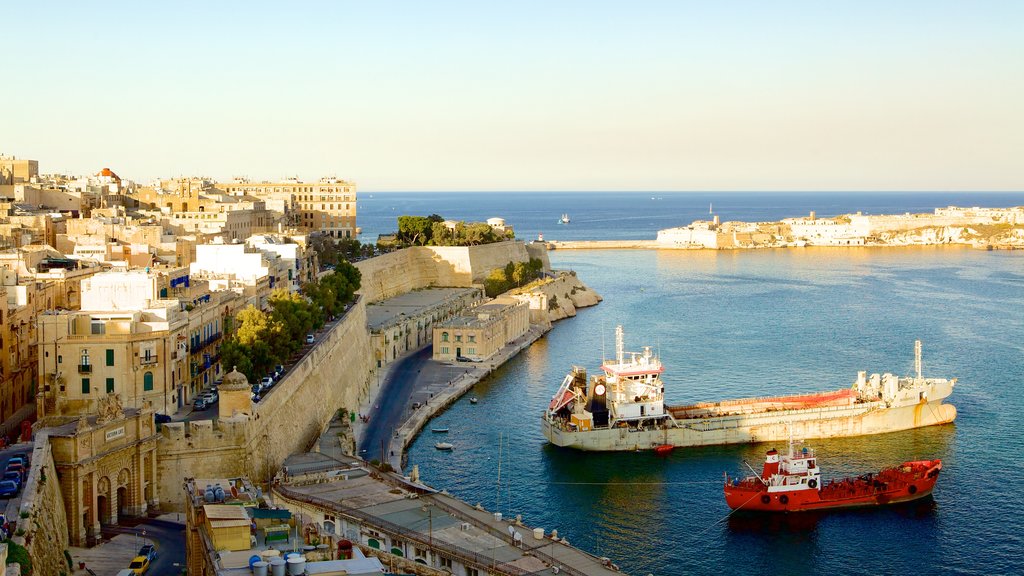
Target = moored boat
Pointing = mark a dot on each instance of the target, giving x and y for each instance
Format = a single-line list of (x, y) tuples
[(792, 483), (623, 408), (439, 430), (444, 446)]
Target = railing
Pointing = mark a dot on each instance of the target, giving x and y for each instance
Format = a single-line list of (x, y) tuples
[(85, 368), (151, 359)]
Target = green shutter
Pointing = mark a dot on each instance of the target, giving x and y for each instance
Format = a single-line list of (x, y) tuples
[(85, 385), (147, 381), (110, 385), (110, 357)]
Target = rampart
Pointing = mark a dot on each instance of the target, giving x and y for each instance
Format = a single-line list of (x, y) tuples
[(42, 513), (455, 266), (334, 374)]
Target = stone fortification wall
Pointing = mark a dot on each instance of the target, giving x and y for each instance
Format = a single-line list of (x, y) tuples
[(45, 522), (288, 419), (557, 298), (417, 267), (335, 374)]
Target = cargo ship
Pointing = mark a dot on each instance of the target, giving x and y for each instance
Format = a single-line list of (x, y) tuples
[(623, 408), (792, 483)]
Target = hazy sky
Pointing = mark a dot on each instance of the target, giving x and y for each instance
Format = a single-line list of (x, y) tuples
[(430, 95)]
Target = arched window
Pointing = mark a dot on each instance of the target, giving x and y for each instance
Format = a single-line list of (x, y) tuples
[(329, 527), (147, 381), (444, 336)]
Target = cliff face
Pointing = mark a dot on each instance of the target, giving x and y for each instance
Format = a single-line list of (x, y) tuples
[(997, 236)]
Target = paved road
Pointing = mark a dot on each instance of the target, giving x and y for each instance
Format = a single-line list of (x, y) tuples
[(169, 538), (393, 400), (11, 506)]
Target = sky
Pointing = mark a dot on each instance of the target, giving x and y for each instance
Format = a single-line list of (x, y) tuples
[(507, 96)]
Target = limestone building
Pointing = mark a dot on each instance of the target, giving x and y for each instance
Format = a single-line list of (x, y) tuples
[(106, 466), (481, 331), (126, 340), (405, 322), (327, 206)]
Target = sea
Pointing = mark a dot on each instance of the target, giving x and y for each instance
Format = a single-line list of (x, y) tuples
[(731, 324)]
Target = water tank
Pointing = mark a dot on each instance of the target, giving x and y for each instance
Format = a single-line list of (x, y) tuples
[(538, 533), (259, 568), (296, 565), (219, 493), (278, 566), (209, 495)]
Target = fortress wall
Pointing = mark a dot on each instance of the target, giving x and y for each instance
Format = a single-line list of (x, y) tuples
[(46, 527), (335, 374), (197, 450), (417, 267)]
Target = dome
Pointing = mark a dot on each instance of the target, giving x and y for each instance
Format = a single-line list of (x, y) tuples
[(235, 380)]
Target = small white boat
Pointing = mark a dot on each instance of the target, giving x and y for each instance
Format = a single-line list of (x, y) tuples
[(564, 219), (444, 446), (439, 430), (472, 400)]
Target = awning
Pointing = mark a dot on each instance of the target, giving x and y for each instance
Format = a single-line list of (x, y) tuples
[(560, 401)]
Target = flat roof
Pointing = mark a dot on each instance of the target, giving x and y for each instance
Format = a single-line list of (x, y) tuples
[(387, 312)]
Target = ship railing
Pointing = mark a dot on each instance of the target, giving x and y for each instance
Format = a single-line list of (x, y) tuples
[(456, 552), (719, 421)]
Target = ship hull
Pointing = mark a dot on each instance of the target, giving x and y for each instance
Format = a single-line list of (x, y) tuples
[(773, 426)]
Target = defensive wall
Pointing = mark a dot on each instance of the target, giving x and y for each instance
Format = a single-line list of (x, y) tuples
[(417, 267), (42, 513), (334, 374)]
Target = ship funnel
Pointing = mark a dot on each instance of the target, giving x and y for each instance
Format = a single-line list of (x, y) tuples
[(771, 464)]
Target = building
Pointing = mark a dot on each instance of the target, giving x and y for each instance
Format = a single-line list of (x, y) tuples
[(106, 466), (327, 207), (481, 331), (232, 267), (229, 522), (412, 528), (14, 171), (403, 323), (126, 340)]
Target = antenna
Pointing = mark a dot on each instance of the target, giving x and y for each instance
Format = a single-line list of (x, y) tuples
[(917, 358)]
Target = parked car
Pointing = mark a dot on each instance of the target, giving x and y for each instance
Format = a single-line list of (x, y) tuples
[(266, 382), (149, 551), (14, 466), (8, 489), (278, 371), (139, 565), (212, 397), (310, 338), (218, 382), (161, 418), (200, 404), (20, 459), (13, 477)]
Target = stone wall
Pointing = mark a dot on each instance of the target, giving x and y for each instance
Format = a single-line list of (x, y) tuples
[(456, 266), (289, 419), (557, 298), (46, 527)]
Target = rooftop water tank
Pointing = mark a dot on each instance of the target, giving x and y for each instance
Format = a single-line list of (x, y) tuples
[(278, 566), (259, 568), (296, 565)]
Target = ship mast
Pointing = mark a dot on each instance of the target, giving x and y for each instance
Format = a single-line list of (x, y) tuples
[(620, 352), (917, 358)]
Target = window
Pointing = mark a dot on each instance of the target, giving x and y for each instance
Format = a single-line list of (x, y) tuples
[(472, 338), (328, 527), (444, 336), (444, 349), (470, 350), (85, 357), (458, 337), (446, 563), (110, 357), (60, 359), (110, 385), (85, 385), (147, 381), (472, 572)]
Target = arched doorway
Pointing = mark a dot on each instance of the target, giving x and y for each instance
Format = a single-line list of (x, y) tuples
[(103, 503), (122, 502)]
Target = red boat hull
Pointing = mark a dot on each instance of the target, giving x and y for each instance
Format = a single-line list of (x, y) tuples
[(907, 482)]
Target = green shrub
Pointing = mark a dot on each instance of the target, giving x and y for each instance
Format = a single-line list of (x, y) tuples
[(19, 555)]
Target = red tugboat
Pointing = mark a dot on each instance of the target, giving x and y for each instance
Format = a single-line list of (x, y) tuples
[(792, 483)]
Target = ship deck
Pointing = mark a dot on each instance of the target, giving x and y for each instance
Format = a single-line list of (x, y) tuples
[(740, 406)]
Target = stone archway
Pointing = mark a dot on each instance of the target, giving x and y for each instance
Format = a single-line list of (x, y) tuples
[(122, 502), (103, 504), (126, 495)]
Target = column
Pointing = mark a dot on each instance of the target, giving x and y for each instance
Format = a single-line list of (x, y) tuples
[(93, 532), (154, 492)]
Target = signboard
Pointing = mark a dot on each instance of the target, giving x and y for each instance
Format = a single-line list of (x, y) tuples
[(115, 433)]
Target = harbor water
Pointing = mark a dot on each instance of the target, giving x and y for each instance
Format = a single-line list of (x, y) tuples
[(731, 324)]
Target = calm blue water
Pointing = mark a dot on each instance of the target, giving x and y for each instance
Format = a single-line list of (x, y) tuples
[(732, 324)]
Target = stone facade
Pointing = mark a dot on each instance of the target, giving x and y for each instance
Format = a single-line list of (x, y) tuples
[(106, 465), (481, 331)]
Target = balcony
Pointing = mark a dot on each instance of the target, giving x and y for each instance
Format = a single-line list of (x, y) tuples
[(151, 359), (85, 368)]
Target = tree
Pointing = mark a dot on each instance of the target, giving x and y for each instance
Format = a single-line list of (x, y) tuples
[(415, 230)]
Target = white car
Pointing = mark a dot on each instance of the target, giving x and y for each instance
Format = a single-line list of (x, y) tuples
[(310, 338)]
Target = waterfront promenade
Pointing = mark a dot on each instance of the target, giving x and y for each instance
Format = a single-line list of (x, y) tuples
[(416, 379)]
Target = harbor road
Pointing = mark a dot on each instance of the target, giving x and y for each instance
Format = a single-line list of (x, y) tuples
[(389, 410)]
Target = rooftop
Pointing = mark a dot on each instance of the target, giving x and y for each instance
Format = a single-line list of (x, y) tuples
[(387, 312)]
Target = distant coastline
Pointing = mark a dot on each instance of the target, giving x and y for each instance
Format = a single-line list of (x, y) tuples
[(981, 228)]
